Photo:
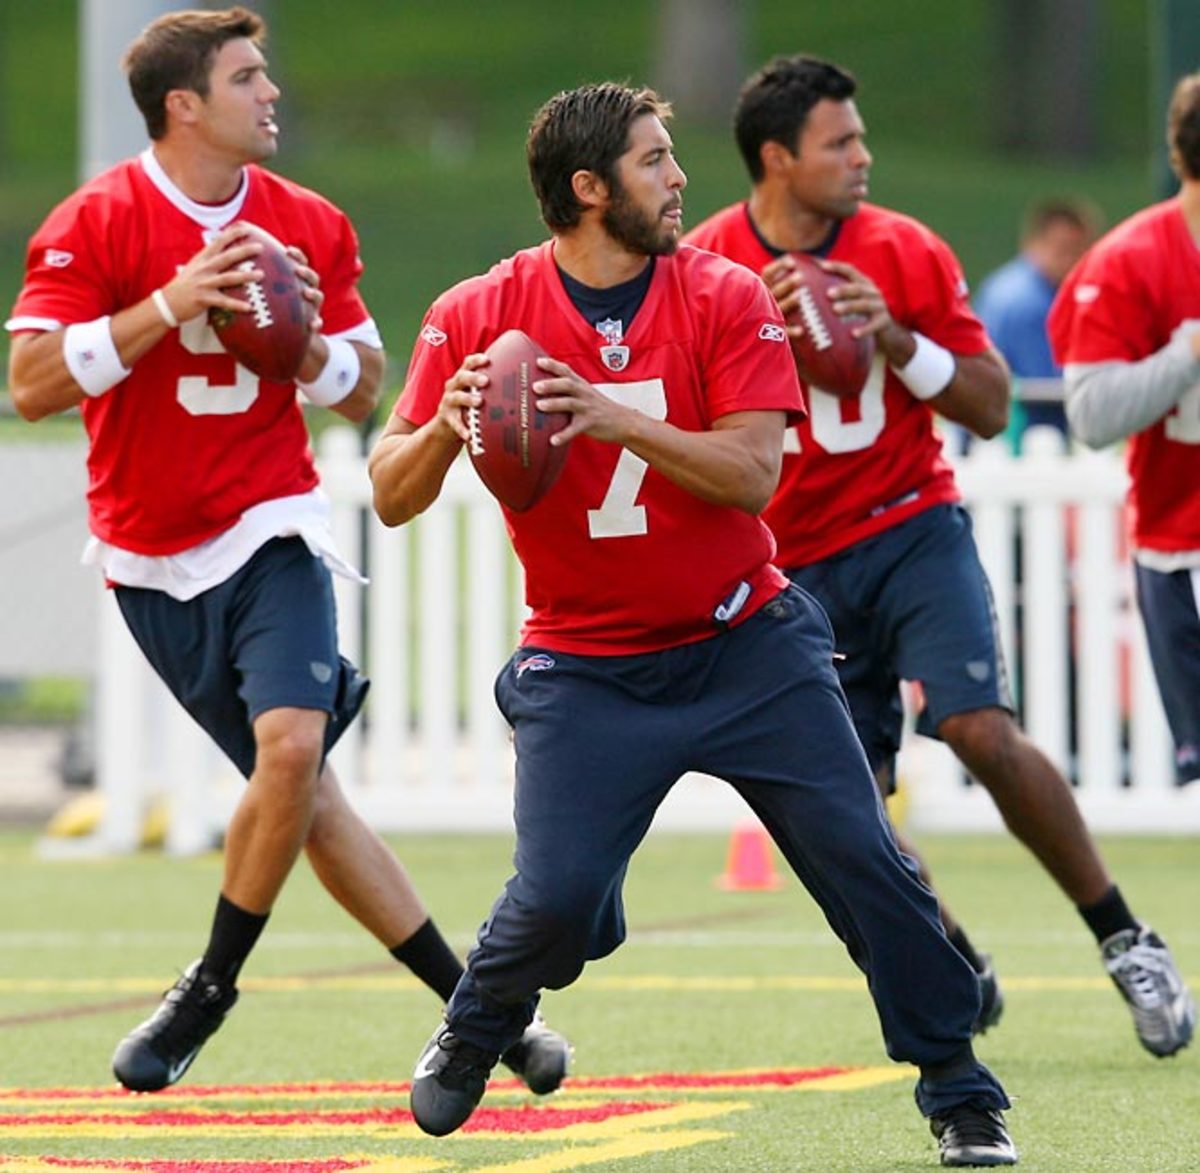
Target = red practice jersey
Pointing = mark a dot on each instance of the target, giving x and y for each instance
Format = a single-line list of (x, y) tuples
[(618, 558), (862, 464), (1121, 303), (190, 439)]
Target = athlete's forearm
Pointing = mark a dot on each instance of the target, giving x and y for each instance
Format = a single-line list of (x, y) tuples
[(736, 464), (1108, 401), (408, 465), (978, 395), (364, 398), (55, 370)]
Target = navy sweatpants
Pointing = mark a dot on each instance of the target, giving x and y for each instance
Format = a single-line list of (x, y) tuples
[(601, 740)]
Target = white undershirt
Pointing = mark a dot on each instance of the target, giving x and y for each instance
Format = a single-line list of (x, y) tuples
[(187, 574), (190, 572)]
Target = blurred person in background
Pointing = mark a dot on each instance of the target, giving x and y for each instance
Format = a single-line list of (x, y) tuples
[(204, 505), (1126, 327), (1013, 300), (868, 516)]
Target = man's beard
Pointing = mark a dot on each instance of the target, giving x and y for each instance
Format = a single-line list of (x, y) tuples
[(640, 233)]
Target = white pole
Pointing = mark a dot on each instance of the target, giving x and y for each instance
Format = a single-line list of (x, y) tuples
[(110, 126)]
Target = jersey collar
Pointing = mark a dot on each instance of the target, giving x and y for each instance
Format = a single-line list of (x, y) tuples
[(210, 217)]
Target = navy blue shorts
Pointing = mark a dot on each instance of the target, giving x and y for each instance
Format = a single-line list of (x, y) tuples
[(266, 638), (912, 603), (1169, 603)]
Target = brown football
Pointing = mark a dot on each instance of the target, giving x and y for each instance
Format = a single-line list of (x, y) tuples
[(272, 338), (828, 356), (510, 438)]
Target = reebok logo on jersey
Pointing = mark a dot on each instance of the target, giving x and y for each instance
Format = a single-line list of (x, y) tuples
[(433, 335), (58, 258), (1085, 294), (770, 332), (322, 673), (536, 663)]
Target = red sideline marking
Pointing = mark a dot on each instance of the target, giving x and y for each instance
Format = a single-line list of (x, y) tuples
[(789, 1077), (517, 1119), (329, 1165)]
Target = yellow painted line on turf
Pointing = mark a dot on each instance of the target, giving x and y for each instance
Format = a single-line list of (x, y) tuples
[(622, 1126), (853, 1081), (665, 1117), (624, 1149)]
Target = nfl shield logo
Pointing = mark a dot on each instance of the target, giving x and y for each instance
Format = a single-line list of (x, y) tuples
[(616, 358)]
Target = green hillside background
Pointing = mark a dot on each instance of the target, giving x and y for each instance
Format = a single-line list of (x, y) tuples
[(412, 116)]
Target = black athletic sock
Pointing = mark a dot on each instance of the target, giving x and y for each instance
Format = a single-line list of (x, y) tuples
[(961, 942), (431, 959), (1110, 914), (234, 934)]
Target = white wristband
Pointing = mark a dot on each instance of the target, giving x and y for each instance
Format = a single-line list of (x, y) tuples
[(929, 371), (91, 356), (163, 306), (338, 377)]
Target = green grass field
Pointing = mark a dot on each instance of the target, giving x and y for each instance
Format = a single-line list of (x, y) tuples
[(308, 1074)]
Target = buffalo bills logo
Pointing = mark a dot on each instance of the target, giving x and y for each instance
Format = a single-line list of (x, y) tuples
[(539, 662)]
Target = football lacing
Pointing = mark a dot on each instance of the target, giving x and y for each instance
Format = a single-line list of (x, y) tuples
[(814, 324), (475, 442), (257, 297)]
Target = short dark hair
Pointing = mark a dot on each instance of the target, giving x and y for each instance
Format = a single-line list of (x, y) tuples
[(773, 105), (1183, 126), (585, 129), (1073, 210), (176, 51)]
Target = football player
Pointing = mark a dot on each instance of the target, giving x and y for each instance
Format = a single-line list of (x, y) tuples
[(867, 515), (661, 638), (204, 508), (1127, 327)]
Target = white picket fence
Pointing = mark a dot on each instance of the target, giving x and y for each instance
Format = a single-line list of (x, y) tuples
[(439, 618)]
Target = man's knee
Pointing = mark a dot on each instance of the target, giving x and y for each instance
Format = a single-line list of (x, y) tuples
[(541, 936), (290, 745), (985, 739)]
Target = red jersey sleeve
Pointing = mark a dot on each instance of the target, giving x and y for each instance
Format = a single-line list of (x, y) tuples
[(67, 265), (748, 364), (1104, 311)]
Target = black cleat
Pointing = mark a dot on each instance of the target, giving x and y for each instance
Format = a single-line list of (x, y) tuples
[(155, 1054), (448, 1082), (991, 997), (539, 1059), (970, 1136)]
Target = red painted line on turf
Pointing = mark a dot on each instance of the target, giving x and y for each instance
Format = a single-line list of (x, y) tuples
[(327, 1165), (518, 1119), (785, 1077)]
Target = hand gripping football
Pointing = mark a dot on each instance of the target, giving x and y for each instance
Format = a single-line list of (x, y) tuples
[(510, 438), (828, 355), (270, 340)]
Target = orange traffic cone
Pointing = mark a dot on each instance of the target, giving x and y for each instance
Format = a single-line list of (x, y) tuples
[(750, 866)]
